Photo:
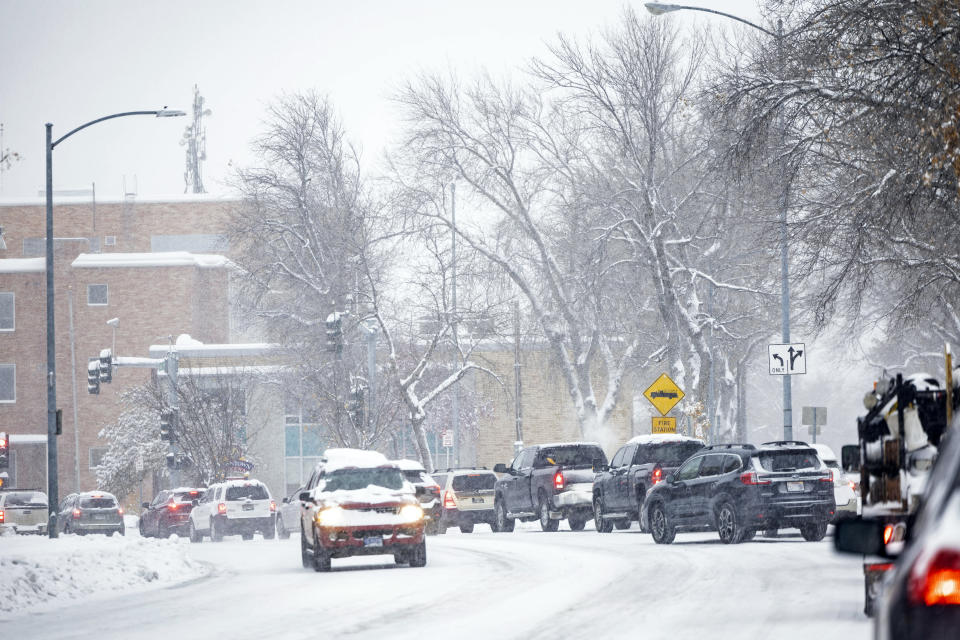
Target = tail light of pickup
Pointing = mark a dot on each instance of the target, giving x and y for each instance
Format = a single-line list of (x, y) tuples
[(558, 480), (935, 579), (449, 501), (657, 475)]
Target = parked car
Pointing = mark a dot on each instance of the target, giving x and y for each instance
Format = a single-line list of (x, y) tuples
[(468, 498), (238, 506), (844, 492), (288, 515), (620, 489), (415, 474), (737, 489), (90, 512), (921, 594), (23, 511), (169, 512), (548, 482), (357, 503)]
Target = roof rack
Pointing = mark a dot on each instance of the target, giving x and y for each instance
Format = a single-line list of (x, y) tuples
[(782, 443), (730, 445)]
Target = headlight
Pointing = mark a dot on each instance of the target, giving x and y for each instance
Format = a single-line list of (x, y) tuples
[(330, 517), (410, 513)]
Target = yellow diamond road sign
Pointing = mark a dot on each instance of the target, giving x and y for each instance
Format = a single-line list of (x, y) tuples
[(664, 394)]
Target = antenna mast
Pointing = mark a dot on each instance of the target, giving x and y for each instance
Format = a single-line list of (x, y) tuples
[(195, 140)]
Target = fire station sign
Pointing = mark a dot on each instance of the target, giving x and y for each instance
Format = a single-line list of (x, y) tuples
[(663, 425), (664, 394)]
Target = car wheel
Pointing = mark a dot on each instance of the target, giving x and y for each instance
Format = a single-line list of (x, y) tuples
[(321, 559), (661, 529), (418, 555), (143, 534), (466, 528), (546, 522), (305, 557), (282, 532), (576, 524), (813, 531), (246, 536), (749, 534), (122, 531), (603, 525), (400, 558), (216, 535), (621, 524), (728, 525), (503, 524), (194, 536)]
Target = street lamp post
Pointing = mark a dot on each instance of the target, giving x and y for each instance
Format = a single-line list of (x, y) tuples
[(657, 8), (52, 480)]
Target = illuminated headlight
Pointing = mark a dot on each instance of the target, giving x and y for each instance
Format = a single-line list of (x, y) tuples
[(330, 517), (410, 513)]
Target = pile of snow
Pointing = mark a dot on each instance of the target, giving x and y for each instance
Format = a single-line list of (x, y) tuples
[(38, 571)]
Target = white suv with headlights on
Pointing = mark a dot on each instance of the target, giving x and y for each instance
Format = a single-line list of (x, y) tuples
[(358, 503), (241, 506)]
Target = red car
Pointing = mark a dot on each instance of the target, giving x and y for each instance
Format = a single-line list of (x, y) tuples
[(169, 512), (357, 503)]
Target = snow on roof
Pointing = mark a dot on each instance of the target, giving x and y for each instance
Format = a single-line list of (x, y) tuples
[(825, 452), (568, 444), (409, 465), (334, 459), (23, 265), (39, 201), (153, 259), (659, 438), (189, 347)]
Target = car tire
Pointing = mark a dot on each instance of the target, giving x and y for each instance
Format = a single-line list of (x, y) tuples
[(281, 527), (661, 528), (546, 522), (603, 525), (502, 523), (728, 523), (194, 535), (466, 528), (622, 524), (576, 524), (321, 559), (305, 556), (216, 535), (143, 533), (122, 531), (813, 531), (749, 535), (417, 557), (246, 536)]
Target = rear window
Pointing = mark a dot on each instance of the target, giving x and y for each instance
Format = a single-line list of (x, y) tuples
[(417, 477), (474, 482), (791, 460), (572, 456), (253, 491), (668, 455), (353, 479), (26, 499), (188, 496), (103, 502)]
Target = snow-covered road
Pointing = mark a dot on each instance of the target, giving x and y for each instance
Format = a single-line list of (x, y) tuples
[(527, 584)]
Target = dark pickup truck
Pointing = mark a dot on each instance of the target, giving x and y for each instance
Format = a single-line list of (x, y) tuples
[(620, 489), (548, 482)]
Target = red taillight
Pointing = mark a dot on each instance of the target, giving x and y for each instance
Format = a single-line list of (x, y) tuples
[(273, 506), (751, 478), (76, 513), (221, 508), (558, 481), (448, 500), (828, 478), (193, 493), (119, 511), (172, 505), (936, 581), (657, 475), (1, 516), (3, 443), (887, 534)]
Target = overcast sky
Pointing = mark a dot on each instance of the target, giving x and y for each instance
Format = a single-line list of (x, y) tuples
[(70, 62)]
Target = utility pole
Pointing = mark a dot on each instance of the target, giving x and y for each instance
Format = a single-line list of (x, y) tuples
[(517, 387), (454, 318)]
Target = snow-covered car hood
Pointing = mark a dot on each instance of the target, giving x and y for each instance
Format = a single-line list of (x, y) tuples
[(371, 495)]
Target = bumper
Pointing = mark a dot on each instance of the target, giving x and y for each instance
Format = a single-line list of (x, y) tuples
[(343, 542), (24, 528), (850, 509), (788, 514), (456, 517), (574, 499), (233, 526), (98, 527)]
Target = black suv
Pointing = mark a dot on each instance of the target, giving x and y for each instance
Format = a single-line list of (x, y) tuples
[(620, 489), (736, 489)]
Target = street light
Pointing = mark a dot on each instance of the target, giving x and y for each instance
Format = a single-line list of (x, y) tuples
[(657, 9), (52, 480)]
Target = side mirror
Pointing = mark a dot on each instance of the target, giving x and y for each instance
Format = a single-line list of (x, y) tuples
[(599, 467), (286, 500), (671, 479), (145, 505), (194, 502), (850, 458), (305, 496), (861, 536), (500, 468)]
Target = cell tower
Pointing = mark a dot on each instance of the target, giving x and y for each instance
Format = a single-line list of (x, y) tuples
[(7, 157), (195, 140)]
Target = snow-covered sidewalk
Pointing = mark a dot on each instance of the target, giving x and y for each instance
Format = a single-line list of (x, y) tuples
[(37, 573)]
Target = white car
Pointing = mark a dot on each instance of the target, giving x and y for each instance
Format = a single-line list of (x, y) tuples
[(238, 506), (23, 511), (846, 497)]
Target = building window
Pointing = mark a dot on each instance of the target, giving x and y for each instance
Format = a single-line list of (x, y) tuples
[(8, 383), (7, 315), (96, 456), (109, 241), (97, 294)]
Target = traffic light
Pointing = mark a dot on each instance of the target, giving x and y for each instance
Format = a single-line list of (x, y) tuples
[(59, 422), (168, 426), (106, 366), (93, 376), (171, 460), (4, 452), (334, 333)]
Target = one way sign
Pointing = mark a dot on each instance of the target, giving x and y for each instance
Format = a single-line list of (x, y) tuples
[(787, 359)]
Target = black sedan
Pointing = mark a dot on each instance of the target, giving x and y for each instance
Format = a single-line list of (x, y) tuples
[(169, 512)]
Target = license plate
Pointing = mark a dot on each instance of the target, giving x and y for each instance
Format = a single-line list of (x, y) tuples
[(375, 541), (99, 517), (248, 507), (27, 512), (478, 500), (794, 486)]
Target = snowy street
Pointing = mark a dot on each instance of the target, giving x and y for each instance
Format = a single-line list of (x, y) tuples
[(525, 584)]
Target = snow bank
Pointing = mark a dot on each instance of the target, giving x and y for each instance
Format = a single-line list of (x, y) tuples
[(37, 572)]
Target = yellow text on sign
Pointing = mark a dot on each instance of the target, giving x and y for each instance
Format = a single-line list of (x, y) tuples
[(664, 425), (663, 394)]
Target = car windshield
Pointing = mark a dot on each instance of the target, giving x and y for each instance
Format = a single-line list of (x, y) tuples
[(791, 460), (474, 482), (668, 455), (26, 499), (100, 502), (579, 455), (251, 491), (352, 479)]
